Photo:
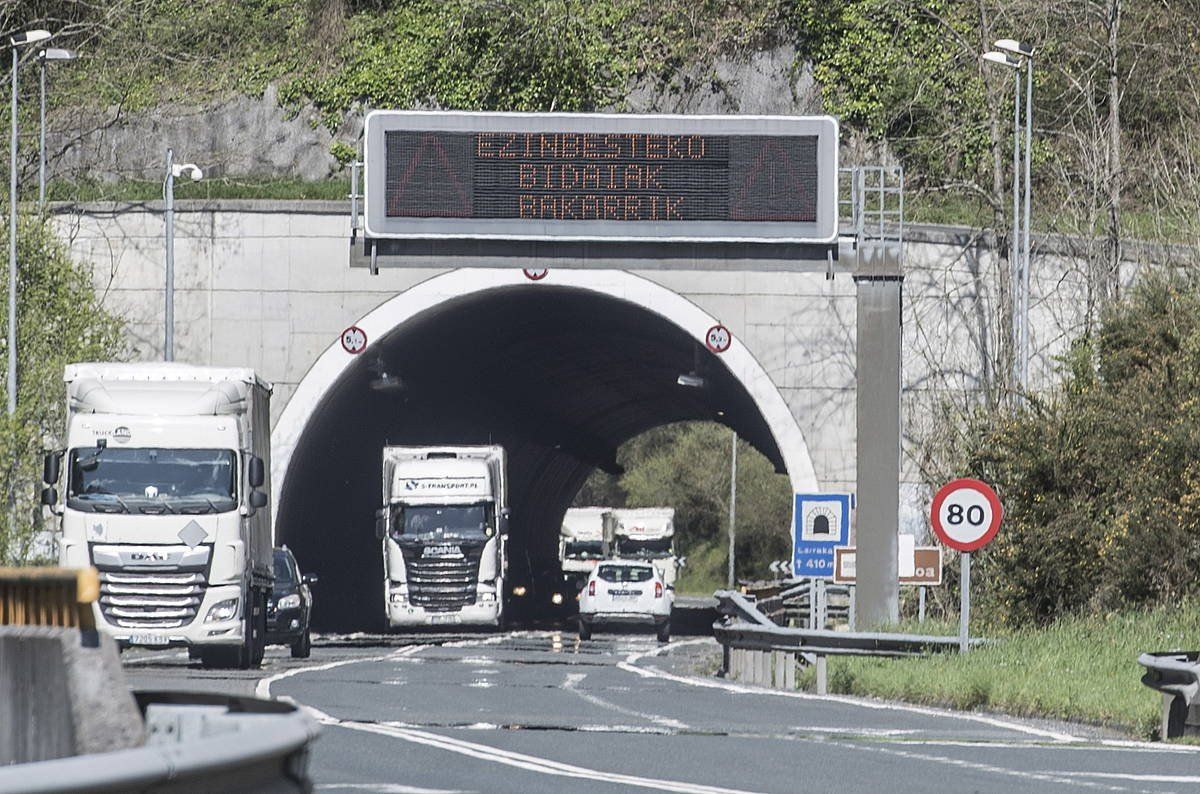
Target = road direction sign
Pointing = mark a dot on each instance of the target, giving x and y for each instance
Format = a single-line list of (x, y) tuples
[(781, 567), (354, 340), (718, 339), (966, 514), (926, 566), (822, 524)]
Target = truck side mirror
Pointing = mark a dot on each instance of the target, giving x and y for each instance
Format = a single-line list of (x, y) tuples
[(381, 523), (256, 472), (50, 496), (50, 467), (258, 499)]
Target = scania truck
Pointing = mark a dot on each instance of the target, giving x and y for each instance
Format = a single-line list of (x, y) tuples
[(647, 533), (444, 529), (584, 540), (164, 489)]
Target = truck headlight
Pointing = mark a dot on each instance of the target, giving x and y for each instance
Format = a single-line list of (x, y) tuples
[(222, 610), (289, 602), (487, 597), (399, 598)]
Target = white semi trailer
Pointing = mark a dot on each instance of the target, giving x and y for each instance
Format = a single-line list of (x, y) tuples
[(647, 533), (163, 490), (583, 541), (444, 528)]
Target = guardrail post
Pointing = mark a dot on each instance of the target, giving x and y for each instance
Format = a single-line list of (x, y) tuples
[(853, 610), (777, 669), (789, 674), (764, 668), (1174, 716), (822, 680)]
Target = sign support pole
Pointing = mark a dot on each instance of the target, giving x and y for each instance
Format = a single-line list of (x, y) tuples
[(964, 611)]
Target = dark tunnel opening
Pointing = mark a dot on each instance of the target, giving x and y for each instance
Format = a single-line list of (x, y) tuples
[(560, 377)]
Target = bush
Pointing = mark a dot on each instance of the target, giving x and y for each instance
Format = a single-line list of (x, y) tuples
[(1101, 480)]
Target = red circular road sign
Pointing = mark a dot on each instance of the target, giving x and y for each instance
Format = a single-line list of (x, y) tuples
[(718, 339), (966, 514), (354, 340), (536, 273)]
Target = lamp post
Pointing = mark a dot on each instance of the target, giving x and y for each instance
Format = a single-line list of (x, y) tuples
[(196, 175), (15, 41), (49, 54), (1024, 51), (1015, 268), (1013, 55)]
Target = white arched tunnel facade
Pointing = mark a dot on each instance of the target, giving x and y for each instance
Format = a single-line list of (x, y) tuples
[(564, 369)]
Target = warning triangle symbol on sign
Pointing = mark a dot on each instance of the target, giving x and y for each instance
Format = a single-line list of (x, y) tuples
[(426, 183), (774, 187)]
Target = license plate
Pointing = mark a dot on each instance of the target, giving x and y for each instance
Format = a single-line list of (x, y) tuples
[(443, 618), (148, 639), (626, 594)]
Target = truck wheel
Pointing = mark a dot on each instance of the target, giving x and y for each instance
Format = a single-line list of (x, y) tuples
[(585, 630), (302, 648), (664, 631)]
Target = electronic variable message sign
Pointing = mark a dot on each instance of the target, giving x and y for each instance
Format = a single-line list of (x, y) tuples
[(606, 177)]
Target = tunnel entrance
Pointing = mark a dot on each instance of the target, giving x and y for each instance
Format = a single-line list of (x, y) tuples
[(560, 374)]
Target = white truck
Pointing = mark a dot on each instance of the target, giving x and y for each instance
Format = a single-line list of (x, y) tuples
[(164, 490), (583, 541), (444, 528), (647, 533)]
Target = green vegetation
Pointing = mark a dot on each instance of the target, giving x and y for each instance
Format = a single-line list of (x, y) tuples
[(60, 319), (209, 188), (686, 466), (1079, 669)]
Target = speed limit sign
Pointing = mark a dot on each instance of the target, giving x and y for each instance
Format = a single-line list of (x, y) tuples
[(966, 514)]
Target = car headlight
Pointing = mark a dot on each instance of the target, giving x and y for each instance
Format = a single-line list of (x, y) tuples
[(222, 610), (289, 602)]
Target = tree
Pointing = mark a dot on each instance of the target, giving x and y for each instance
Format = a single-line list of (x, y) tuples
[(60, 320)]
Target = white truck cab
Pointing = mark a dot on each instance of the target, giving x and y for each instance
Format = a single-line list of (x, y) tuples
[(443, 526), (164, 485), (647, 533)]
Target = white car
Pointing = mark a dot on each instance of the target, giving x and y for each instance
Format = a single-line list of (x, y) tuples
[(626, 592)]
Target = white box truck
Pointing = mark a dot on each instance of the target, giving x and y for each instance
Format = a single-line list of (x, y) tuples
[(647, 533), (164, 490), (444, 528), (582, 542)]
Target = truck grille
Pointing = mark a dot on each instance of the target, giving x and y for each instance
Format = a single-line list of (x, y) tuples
[(150, 600), (442, 584)]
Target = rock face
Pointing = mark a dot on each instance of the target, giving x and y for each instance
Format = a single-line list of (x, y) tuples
[(255, 137)]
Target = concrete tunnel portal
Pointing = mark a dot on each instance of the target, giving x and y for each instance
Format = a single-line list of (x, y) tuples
[(560, 372)]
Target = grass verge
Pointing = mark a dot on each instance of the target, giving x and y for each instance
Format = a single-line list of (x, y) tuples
[(1079, 669)]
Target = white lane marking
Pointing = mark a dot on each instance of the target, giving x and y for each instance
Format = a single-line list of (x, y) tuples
[(1085, 745), (388, 788), (572, 685), (530, 763), (629, 665), (263, 690), (1041, 777), (1133, 778), (157, 657)]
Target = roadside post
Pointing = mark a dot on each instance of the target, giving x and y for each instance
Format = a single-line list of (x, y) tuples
[(966, 515)]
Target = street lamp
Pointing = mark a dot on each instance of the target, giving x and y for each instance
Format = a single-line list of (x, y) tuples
[(196, 175), (1014, 54), (49, 54), (16, 41), (1015, 269), (1024, 51)]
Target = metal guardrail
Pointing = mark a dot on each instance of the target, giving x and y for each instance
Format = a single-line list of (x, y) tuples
[(758, 650), (61, 597), (196, 742), (1177, 676)]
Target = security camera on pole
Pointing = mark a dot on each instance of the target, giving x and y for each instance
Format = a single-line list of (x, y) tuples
[(965, 515)]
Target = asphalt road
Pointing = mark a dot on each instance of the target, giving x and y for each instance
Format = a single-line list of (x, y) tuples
[(540, 711)]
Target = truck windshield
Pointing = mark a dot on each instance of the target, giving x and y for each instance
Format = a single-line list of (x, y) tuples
[(464, 521), (584, 550), (108, 480), (659, 547)]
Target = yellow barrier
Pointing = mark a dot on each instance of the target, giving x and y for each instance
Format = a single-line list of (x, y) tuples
[(48, 597)]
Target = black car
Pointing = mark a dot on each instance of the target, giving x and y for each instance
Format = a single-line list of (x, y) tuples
[(290, 605)]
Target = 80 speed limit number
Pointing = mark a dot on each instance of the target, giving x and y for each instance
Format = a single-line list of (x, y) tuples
[(966, 514)]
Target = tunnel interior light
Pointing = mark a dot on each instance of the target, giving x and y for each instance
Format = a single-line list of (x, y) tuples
[(692, 380)]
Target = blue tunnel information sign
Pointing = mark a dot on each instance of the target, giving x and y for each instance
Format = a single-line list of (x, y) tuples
[(822, 523)]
